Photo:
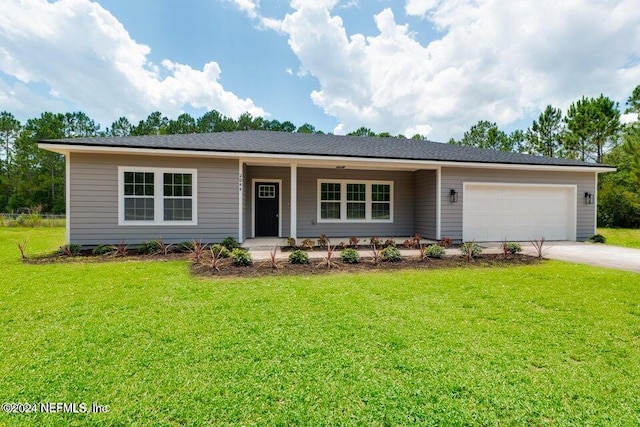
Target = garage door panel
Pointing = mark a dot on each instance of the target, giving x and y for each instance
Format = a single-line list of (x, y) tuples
[(493, 212)]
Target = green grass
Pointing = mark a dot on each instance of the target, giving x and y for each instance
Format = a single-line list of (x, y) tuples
[(551, 344), (629, 238)]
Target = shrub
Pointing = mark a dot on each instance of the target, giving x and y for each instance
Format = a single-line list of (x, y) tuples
[(446, 242), (72, 249), (391, 253), (299, 257), (185, 246), (470, 250), (102, 250), (513, 248), (273, 261), (434, 251), (230, 243), (241, 257), (598, 238), (291, 242), (375, 254), (149, 247), (375, 241), (538, 246), (390, 242), (350, 256), (220, 251), (353, 241), (22, 247), (409, 244), (198, 250), (323, 241), (307, 244), (121, 249)]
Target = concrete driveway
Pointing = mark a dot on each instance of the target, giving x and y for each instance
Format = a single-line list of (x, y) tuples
[(592, 254)]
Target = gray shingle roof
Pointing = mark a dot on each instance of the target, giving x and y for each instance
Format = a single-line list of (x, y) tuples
[(267, 142)]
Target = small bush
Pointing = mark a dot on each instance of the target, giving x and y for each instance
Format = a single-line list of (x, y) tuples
[(72, 249), (391, 253), (323, 241), (409, 244), (446, 242), (354, 241), (149, 248), (470, 250), (241, 257), (513, 248), (299, 257), (307, 244), (598, 238), (230, 243), (350, 256), (434, 251), (220, 251), (102, 250), (390, 242), (185, 246), (291, 242), (375, 241)]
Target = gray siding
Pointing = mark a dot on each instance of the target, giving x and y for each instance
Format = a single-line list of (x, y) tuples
[(425, 182), (94, 200), (453, 178), (246, 203), (269, 172), (402, 225)]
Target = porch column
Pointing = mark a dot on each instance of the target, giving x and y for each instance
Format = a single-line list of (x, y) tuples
[(240, 200), (293, 228)]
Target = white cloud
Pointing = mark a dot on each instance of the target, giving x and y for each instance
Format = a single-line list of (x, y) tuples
[(86, 57), (250, 7), (419, 7), (496, 60)]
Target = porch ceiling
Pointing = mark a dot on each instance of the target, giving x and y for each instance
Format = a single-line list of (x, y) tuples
[(334, 164)]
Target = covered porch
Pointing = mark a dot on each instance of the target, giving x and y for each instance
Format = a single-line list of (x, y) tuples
[(280, 199)]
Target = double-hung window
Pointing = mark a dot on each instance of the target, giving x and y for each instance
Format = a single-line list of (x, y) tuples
[(157, 196), (355, 201)]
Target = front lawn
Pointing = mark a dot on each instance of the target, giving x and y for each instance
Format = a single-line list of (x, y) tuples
[(548, 344), (627, 237)]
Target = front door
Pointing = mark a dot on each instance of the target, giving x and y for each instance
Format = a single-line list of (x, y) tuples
[(267, 196)]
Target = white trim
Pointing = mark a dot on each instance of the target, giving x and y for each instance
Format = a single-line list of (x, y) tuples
[(293, 197), (438, 203), (343, 201), (240, 199), (158, 196), (253, 204), (313, 159), (67, 196), (573, 208)]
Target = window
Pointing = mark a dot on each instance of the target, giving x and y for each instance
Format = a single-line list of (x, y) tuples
[(330, 200), (267, 191), (355, 201), (156, 196), (380, 201), (138, 196)]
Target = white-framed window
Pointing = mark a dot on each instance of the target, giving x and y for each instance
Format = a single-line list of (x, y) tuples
[(267, 191), (157, 196), (355, 201)]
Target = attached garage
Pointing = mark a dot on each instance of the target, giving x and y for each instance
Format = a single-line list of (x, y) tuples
[(518, 212)]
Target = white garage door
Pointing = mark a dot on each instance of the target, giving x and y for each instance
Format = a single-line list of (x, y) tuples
[(493, 212)]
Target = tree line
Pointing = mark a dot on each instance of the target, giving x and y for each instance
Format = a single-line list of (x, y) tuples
[(590, 130)]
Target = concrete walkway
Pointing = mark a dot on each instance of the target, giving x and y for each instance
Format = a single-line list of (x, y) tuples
[(590, 253)]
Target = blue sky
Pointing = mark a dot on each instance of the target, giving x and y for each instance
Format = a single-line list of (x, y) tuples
[(406, 66)]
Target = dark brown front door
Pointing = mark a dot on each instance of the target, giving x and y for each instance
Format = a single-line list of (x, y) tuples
[(267, 208)]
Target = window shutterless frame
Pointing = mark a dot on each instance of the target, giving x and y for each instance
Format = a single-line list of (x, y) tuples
[(343, 201), (181, 192)]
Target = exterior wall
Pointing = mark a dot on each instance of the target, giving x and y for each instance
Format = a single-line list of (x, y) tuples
[(267, 173), (403, 206), (453, 178), (425, 183), (94, 200)]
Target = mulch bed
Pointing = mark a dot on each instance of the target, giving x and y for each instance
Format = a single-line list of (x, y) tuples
[(263, 268)]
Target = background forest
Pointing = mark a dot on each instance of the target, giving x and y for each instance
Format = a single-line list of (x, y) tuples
[(590, 130)]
